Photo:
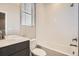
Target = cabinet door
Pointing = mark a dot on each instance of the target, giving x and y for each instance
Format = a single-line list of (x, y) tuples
[(12, 49), (24, 52)]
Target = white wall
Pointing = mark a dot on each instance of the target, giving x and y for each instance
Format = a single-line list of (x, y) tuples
[(56, 26), (12, 17)]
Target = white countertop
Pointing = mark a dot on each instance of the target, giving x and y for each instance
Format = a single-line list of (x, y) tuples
[(12, 39)]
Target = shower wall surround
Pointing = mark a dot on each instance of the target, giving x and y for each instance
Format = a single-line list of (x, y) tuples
[(56, 26)]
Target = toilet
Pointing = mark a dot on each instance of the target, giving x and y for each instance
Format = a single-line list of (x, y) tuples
[(36, 51)]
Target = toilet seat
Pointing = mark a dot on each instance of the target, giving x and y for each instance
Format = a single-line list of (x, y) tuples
[(38, 52)]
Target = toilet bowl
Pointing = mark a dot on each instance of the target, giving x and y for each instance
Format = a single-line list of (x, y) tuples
[(36, 51)]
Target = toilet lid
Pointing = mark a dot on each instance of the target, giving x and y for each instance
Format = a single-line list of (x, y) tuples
[(39, 52)]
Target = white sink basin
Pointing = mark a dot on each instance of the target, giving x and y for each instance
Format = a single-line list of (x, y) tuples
[(15, 37)]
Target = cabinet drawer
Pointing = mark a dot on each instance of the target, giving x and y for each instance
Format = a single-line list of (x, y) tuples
[(14, 48)]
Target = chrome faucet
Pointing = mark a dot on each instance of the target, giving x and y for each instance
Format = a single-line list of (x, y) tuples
[(74, 45)]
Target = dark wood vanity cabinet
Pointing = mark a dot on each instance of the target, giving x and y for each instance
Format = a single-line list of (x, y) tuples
[(18, 49)]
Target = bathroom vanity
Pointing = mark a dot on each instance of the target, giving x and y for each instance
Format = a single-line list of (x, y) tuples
[(14, 47)]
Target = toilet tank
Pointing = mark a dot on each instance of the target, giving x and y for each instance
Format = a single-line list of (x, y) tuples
[(32, 44)]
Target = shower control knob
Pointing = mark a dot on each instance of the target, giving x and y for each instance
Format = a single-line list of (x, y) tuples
[(75, 39)]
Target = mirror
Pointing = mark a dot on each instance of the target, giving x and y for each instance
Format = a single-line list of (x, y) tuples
[(2, 25)]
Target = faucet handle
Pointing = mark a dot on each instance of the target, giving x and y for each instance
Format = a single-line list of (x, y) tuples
[(73, 45)]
